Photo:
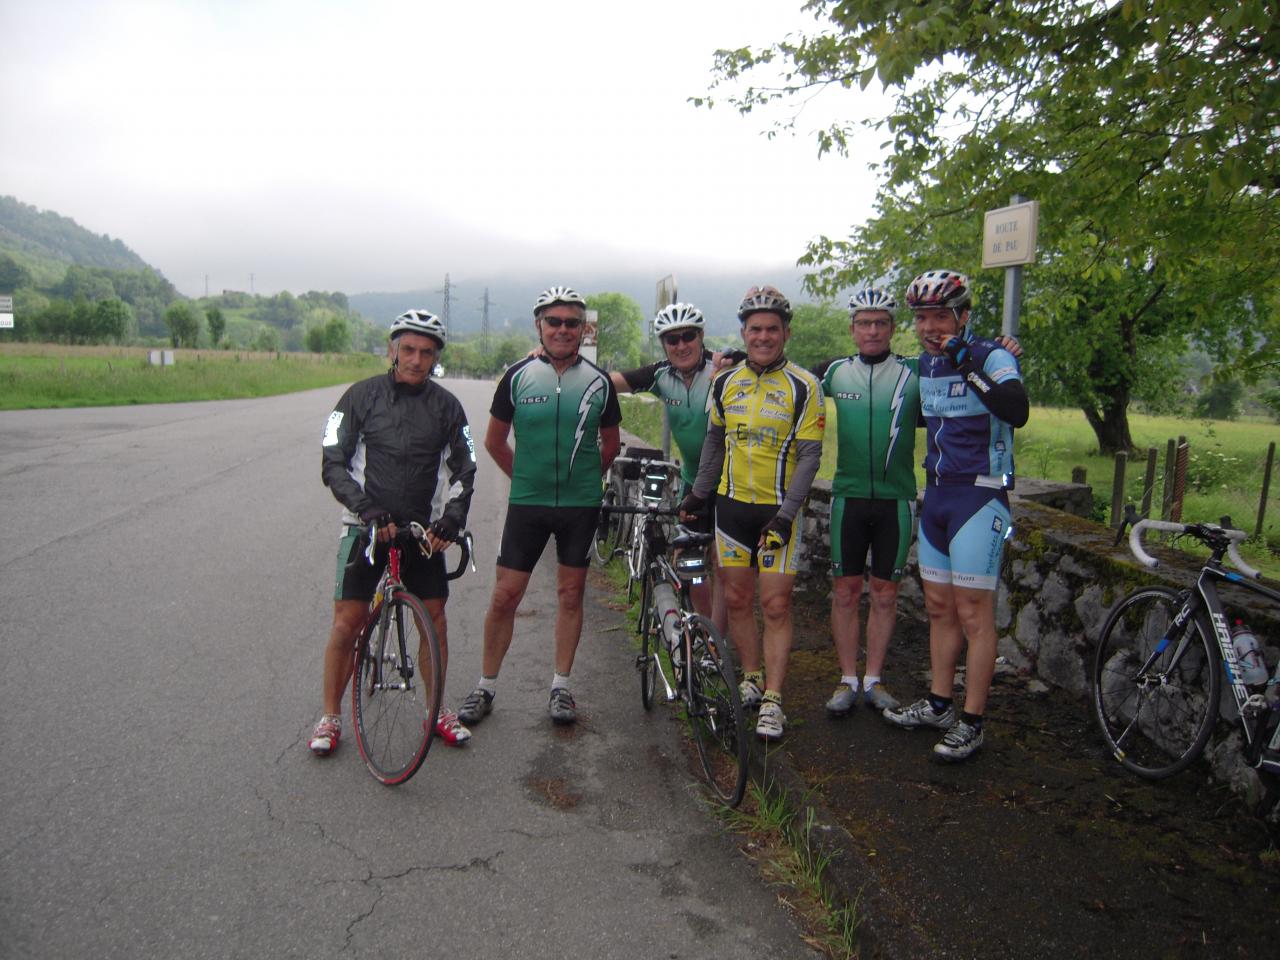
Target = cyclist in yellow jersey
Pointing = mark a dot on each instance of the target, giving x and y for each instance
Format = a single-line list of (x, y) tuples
[(763, 447)]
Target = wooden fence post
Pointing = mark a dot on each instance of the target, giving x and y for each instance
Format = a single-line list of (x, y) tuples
[(1166, 496), (1266, 487), (1117, 489), (1179, 479), (1149, 481)]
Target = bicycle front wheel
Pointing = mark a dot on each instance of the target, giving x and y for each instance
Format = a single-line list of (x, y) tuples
[(396, 689), (715, 711), (608, 529), (650, 637), (1155, 686)]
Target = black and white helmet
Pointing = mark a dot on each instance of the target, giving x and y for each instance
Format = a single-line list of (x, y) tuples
[(678, 316), (764, 300), (419, 321), (558, 294), (871, 298)]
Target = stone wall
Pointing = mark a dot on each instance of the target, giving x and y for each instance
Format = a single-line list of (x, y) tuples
[(1061, 576)]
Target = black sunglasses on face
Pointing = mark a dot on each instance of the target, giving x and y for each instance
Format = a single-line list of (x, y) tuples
[(679, 336), (573, 323)]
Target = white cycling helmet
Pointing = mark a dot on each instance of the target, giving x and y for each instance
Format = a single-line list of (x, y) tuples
[(940, 288), (871, 298), (678, 316), (558, 294), (764, 300), (419, 321)]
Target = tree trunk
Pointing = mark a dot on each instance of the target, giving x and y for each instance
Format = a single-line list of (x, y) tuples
[(1111, 426)]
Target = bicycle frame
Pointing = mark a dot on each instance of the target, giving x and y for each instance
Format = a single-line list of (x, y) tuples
[(1204, 596)]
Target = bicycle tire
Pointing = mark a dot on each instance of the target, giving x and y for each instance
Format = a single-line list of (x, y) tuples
[(1155, 698), (715, 711), (394, 701), (650, 640)]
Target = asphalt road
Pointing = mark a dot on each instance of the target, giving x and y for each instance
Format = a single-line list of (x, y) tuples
[(166, 588)]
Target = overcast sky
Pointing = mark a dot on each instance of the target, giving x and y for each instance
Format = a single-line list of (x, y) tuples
[(371, 145)]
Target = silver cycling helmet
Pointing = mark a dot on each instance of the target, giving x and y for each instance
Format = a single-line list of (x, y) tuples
[(678, 316), (420, 321), (558, 294), (764, 300), (871, 298)]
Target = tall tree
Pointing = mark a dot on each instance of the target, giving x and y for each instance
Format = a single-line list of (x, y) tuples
[(112, 319), (183, 324), (1148, 130), (621, 330), (217, 324)]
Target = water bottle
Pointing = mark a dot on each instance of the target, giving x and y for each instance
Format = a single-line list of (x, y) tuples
[(666, 613), (1253, 669)]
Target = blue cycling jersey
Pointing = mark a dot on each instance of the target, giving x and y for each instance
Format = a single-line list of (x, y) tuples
[(967, 444)]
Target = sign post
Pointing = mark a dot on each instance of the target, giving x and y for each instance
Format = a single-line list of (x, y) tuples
[(1009, 241), (6, 313)]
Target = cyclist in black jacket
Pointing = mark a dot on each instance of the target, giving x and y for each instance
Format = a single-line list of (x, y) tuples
[(387, 448)]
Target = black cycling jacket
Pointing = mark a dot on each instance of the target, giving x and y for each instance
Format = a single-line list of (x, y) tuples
[(405, 450)]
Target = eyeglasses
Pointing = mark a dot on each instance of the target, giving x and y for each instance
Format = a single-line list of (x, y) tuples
[(873, 324), (679, 336), (573, 323)]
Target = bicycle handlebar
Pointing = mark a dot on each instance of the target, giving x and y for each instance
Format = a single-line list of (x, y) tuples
[(656, 510), (647, 461), (1204, 532), (414, 534)]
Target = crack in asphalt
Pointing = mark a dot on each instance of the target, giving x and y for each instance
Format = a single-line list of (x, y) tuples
[(375, 881)]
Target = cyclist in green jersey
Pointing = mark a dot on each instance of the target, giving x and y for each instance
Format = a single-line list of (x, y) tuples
[(682, 381), (564, 412), (873, 494)]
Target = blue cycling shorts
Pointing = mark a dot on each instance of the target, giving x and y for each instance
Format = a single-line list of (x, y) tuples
[(962, 535)]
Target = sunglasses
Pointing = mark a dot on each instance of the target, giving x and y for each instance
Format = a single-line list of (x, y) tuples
[(573, 323), (679, 336)]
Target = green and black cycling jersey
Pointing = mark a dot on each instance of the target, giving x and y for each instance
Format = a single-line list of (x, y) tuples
[(556, 419), (877, 410), (686, 405)]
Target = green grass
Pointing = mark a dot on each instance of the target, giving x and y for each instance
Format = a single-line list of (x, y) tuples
[(1224, 475), (112, 378)]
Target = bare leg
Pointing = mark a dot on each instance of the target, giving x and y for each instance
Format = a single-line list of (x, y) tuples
[(880, 623), (976, 612), (499, 622), (845, 629), (775, 605), (740, 597), (571, 582), (348, 618)]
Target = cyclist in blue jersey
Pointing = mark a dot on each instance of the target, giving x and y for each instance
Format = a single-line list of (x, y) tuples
[(682, 381), (564, 412), (972, 397)]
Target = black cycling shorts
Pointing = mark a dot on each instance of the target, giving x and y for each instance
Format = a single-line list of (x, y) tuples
[(882, 526), (738, 529), (357, 578), (529, 526)]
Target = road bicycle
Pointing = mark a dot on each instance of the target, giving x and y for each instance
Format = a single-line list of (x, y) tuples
[(397, 682), (640, 477), (1157, 679), (703, 674)]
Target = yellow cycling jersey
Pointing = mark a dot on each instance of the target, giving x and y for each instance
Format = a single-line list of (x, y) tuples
[(764, 415)]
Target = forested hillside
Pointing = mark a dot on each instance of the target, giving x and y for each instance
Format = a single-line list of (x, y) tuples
[(27, 230)]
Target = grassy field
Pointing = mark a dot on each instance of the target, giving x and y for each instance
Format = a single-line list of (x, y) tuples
[(1224, 475), (36, 375)]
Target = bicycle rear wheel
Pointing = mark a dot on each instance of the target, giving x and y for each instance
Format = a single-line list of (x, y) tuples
[(715, 711), (396, 689), (1155, 686)]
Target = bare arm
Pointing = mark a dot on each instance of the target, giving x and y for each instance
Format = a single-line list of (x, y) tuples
[(495, 442), (610, 444)]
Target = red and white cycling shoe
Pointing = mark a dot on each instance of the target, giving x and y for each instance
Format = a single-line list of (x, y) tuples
[(450, 729), (325, 737)]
